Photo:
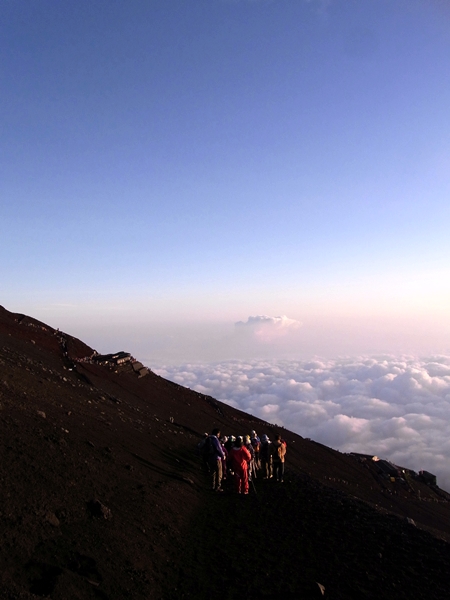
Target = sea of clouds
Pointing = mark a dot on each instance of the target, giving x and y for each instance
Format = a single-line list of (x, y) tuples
[(397, 408)]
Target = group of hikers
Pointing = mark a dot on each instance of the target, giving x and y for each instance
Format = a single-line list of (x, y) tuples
[(241, 457)]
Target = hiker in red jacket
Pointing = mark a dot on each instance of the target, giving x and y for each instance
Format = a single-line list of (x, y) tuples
[(239, 459)]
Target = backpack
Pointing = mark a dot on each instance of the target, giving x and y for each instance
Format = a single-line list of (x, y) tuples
[(208, 449), (266, 450)]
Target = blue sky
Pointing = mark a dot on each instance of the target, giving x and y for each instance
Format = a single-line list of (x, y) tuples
[(169, 168)]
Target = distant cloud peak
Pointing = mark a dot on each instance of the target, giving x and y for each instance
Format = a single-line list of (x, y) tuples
[(265, 328), (278, 322)]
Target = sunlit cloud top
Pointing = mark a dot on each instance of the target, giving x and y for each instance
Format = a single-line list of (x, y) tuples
[(267, 329)]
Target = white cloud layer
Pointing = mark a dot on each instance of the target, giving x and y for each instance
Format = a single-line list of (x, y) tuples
[(396, 408)]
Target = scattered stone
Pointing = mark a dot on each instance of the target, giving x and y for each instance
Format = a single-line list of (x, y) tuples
[(52, 519), (42, 414), (99, 510), (321, 588)]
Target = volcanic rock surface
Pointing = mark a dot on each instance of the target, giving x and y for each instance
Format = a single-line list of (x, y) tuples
[(102, 495)]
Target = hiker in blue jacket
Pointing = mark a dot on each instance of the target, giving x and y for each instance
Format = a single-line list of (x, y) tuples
[(215, 456)]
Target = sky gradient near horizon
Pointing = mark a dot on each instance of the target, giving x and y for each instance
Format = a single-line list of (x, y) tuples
[(170, 168)]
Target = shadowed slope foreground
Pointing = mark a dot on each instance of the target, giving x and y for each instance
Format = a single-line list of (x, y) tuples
[(102, 495)]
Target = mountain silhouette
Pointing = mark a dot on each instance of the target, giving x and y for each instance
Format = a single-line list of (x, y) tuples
[(102, 494)]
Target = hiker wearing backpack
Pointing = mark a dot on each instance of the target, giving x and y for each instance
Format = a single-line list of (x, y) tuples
[(266, 456), (214, 455), (239, 459), (279, 452)]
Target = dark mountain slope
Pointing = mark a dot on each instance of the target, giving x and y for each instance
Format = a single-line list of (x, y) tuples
[(102, 495)]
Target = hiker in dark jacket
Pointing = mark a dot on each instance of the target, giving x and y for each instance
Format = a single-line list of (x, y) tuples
[(228, 447), (278, 452), (215, 458), (265, 454), (229, 443)]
